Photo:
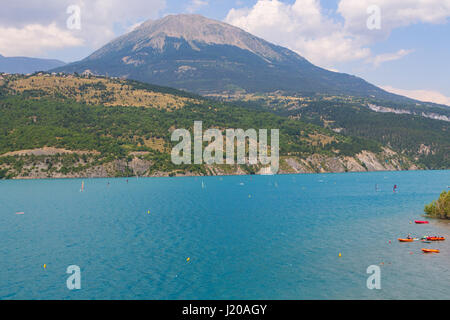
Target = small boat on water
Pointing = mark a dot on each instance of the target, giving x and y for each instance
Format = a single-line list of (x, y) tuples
[(405, 240), (421, 222), (431, 251), (435, 238)]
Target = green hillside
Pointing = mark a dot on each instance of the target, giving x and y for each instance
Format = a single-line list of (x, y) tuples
[(409, 128), (121, 139)]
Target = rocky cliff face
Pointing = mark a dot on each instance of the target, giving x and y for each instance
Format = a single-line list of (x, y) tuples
[(362, 162), (47, 163)]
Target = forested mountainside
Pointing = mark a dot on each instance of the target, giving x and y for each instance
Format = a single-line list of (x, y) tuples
[(418, 130), (84, 126)]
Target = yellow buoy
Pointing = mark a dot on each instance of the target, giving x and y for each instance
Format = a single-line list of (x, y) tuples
[(148, 212), (340, 255), (45, 266), (188, 259)]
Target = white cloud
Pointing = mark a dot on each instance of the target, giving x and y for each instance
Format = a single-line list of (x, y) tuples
[(385, 57), (300, 26), (305, 28), (33, 39), (333, 70), (421, 95), (195, 5), (394, 14), (100, 21), (100, 18), (134, 26)]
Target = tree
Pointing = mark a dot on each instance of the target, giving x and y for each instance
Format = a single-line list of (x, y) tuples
[(440, 208)]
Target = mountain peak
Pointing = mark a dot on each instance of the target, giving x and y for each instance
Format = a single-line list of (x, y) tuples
[(181, 19), (206, 56), (186, 25), (192, 28)]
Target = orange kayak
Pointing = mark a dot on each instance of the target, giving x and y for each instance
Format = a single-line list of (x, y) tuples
[(406, 240), (430, 250), (435, 238)]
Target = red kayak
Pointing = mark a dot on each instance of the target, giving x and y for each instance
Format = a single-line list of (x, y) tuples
[(435, 238), (431, 250), (421, 222)]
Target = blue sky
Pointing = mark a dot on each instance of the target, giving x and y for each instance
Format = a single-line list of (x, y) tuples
[(408, 54), (426, 68)]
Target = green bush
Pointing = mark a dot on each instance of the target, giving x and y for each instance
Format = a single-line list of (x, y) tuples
[(3, 174), (440, 208)]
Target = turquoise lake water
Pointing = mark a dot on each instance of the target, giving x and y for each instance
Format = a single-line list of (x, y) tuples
[(247, 237)]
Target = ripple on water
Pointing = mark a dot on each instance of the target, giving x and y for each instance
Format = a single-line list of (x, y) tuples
[(281, 242)]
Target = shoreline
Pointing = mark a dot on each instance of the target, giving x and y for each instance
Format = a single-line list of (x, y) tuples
[(223, 175), (44, 166)]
